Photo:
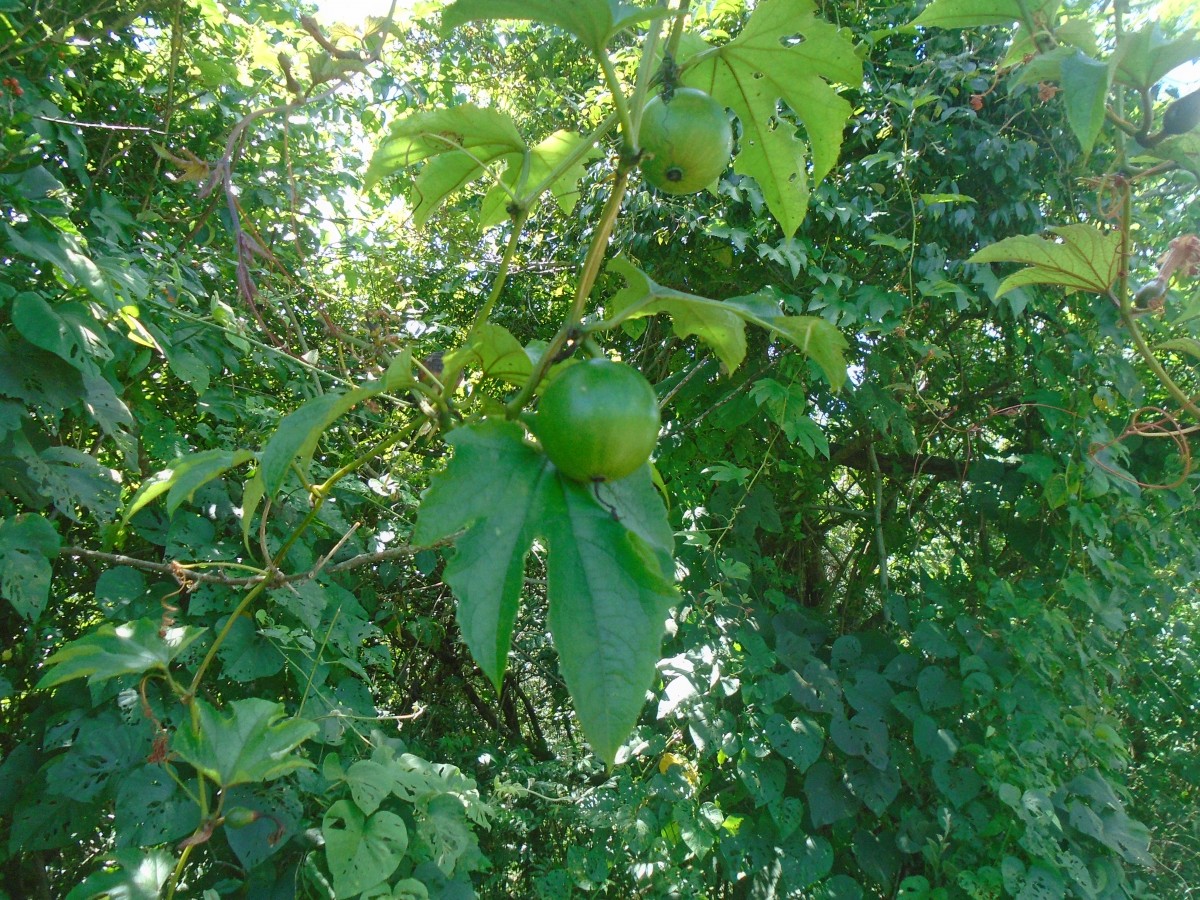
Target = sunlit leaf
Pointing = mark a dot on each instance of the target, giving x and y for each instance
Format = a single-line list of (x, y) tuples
[(592, 21), (67, 253), (495, 352), (253, 741), (532, 168), (784, 53), (722, 323), (129, 874), (466, 137), (295, 438), (1078, 257), (182, 480), (971, 13), (1085, 83), (1145, 56), (111, 650)]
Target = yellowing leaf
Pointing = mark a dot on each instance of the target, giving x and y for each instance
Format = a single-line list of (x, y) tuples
[(667, 760), (722, 323), (1078, 257), (137, 331), (459, 144)]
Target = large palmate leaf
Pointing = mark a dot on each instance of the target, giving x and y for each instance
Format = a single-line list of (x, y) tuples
[(112, 650), (722, 323), (494, 351), (594, 22), (534, 166), (609, 569), (609, 595), (1144, 56), (492, 492), (129, 874), (459, 144), (1078, 257), (970, 13), (254, 742), (1085, 84), (784, 53), (67, 253), (67, 330)]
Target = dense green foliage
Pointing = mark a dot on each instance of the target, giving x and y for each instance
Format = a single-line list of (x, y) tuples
[(293, 603)]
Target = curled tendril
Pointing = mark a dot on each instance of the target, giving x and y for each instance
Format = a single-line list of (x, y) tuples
[(1163, 425)]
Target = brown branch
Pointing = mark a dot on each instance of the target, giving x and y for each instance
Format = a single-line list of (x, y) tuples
[(942, 468), (118, 559), (484, 710), (105, 126), (540, 749)]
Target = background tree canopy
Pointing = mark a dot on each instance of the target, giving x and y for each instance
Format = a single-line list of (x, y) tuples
[(294, 603)]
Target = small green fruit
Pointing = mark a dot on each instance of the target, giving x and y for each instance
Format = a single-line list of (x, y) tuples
[(240, 817), (1183, 115), (686, 143), (598, 421)]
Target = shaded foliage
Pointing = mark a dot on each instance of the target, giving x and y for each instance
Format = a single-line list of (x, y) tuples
[(931, 634)]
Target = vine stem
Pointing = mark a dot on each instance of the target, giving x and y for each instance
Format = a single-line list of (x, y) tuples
[(880, 543), (587, 280), (1124, 303), (676, 34), (1143, 349), (644, 77), (322, 490), (319, 493), (178, 873), (598, 248), (619, 101), (452, 378)]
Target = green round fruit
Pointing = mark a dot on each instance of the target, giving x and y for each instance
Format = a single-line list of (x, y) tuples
[(598, 421), (240, 817), (686, 143)]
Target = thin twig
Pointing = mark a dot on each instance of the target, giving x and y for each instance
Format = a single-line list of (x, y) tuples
[(105, 126), (218, 577)]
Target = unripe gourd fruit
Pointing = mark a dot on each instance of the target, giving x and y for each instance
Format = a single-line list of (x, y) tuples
[(686, 142), (598, 421)]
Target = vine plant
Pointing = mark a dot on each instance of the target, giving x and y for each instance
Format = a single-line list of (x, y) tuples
[(611, 567)]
